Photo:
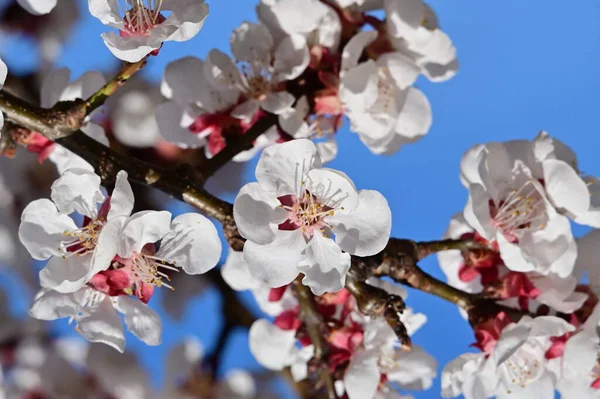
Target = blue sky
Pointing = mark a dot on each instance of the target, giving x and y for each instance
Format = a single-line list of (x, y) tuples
[(525, 66)]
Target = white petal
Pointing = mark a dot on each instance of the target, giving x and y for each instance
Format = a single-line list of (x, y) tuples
[(362, 375), (53, 86), (257, 213), (247, 109), (512, 338), (549, 326), (333, 188), (565, 187), (140, 319), (52, 305), (327, 150), (130, 48), (237, 384), (143, 228), (404, 17), (401, 68), (325, 266), (121, 199), (106, 246), (37, 7), (359, 87), (271, 345), (107, 11), (414, 120), (42, 227), (275, 264), (173, 123), (77, 190), (192, 243), (220, 71), (187, 17), (282, 167), (291, 57), (3, 73), (366, 230), (102, 324), (235, 272), (277, 102), (416, 369), (251, 42), (184, 79), (355, 47), (65, 275)]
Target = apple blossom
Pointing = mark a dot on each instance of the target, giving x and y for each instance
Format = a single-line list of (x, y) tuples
[(198, 115), (260, 69), (143, 28), (514, 363), (288, 217), (76, 253), (510, 203), (379, 101)]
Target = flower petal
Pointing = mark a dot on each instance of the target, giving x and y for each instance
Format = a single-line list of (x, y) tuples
[(53, 86), (291, 57), (275, 264), (277, 102), (65, 275), (401, 68), (52, 305), (37, 7), (77, 190), (220, 71), (282, 167), (325, 266), (355, 47), (271, 345), (102, 324), (257, 213), (565, 188), (332, 188), (235, 272), (107, 245), (130, 48), (42, 229), (362, 375), (121, 200), (251, 42), (366, 229), (192, 243), (143, 228), (173, 123), (140, 319)]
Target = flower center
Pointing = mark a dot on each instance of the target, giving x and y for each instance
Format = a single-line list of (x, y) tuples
[(83, 240), (522, 210), (140, 16), (306, 213), (258, 76)]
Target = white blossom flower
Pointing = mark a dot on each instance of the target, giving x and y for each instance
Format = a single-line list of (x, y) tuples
[(38, 7), (289, 215), (189, 241), (315, 20), (264, 67), (97, 315), (3, 73), (383, 108), (76, 253), (415, 32), (510, 202), (143, 28), (517, 366)]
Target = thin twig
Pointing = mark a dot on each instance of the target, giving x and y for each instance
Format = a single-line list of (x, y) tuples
[(97, 99)]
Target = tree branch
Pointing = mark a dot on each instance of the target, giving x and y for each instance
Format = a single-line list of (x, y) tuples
[(316, 331)]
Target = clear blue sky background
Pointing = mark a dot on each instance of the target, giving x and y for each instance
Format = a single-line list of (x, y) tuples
[(525, 66)]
